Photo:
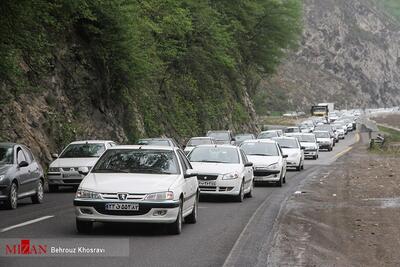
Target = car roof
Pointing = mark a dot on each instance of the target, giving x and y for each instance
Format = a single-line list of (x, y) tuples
[(270, 131), (91, 141), (270, 141), (157, 138), (218, 145), (202, 137), (144, 147)]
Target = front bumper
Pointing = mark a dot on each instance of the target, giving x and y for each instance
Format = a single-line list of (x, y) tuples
[(310, 153), (90, 210), (58, 179), (222, 187), (267, 176), (324, 146), (292, 162)]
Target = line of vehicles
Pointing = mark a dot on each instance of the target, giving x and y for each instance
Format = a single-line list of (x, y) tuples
[(155, 180)]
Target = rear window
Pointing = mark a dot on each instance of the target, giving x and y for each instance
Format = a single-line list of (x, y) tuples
[(88, 150)]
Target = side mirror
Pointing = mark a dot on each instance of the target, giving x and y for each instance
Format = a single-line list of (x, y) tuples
[(23, 164), (54, 156), (285, 156), (303, 148), (83, 170), (249, 164), (189, 173)]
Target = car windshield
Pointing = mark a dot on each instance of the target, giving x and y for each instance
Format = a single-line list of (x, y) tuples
[(322, 134), (260, 149), (87, 150), (243, 137), (6, 155), (287, 143), (137, 161), (199, 141), (306, 138), (215, 154), (219, 135), (267, 135), (153, 142)]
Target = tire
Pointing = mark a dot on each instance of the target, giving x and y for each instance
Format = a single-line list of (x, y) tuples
[(250, 193), (302, 166), (38, 197), (53, 188), (175, 228), (12, 200), (192, 217), (284, 179), (84, 227), (298, 168), (240, 196)]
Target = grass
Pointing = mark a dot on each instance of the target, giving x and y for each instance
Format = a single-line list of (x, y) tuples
[(391, 145)]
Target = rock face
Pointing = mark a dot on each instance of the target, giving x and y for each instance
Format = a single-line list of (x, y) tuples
[(349, 54)]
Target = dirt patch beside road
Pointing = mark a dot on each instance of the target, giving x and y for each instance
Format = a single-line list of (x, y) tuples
[(349, 215), (391, 119)]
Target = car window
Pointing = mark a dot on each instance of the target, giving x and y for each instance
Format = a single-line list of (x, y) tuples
[(244, 158), (20, 156), (185, 160), (6, 154), (28, 154), (215, 154), (259, 149), (87, 150)]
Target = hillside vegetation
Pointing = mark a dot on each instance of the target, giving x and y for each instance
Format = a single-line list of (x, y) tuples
[(126, 69)]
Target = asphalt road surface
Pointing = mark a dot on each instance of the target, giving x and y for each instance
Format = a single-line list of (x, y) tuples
[(227, 233)]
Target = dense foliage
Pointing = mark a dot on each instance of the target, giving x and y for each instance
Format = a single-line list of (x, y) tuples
[(183, 65)]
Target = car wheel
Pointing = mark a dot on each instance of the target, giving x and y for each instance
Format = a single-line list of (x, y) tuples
[(38, 197), (12, 201), (192, 217), (240, 196), (250, 193), (302, 166), (298, 168), (84, 227), (175, 228), (53, 188)]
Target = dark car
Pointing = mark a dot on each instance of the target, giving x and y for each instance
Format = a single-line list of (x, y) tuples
[(222, 137), (21, 175)]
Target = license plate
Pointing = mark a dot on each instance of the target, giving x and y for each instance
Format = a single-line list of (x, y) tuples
[(122, 206), (71, 174), (207, 183)]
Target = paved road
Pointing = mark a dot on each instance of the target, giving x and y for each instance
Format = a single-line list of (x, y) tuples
[(236, 234)]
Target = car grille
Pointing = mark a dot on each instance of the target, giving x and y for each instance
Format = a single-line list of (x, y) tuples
[(72, 181), (262, 173), (68, 169), (208, 188), (129, 197), (205, 177), (100, 208), (225, 189)]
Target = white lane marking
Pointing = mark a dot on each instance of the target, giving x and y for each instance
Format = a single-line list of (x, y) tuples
[(26, 223)]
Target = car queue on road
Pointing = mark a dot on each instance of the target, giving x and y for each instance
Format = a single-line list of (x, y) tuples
[(156, 181)]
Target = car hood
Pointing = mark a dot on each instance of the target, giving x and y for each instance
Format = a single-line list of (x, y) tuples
[(290, 151), (4, 168), (128, 182), (189, 148), (73, 162), (263, 160), (217, 168)]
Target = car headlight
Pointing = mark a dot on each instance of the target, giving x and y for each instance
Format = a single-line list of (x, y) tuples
[(53, 169), (273, 166), (87, 194), (2, 177), (160, 196), (230, 176)]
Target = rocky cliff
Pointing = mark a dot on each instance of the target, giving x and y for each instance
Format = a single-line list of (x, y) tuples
[(349, 54)]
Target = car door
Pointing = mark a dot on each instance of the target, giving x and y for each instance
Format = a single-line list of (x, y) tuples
[(189, 189), (22, 173), (284, 164), (248, 171), (34, 173)]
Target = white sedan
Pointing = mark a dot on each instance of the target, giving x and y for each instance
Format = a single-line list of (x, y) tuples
[(223, 170), (144, 184), (269, 162), (292, 148)]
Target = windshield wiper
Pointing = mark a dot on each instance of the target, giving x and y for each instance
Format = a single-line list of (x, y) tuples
[(260, 154), (210, 161)]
